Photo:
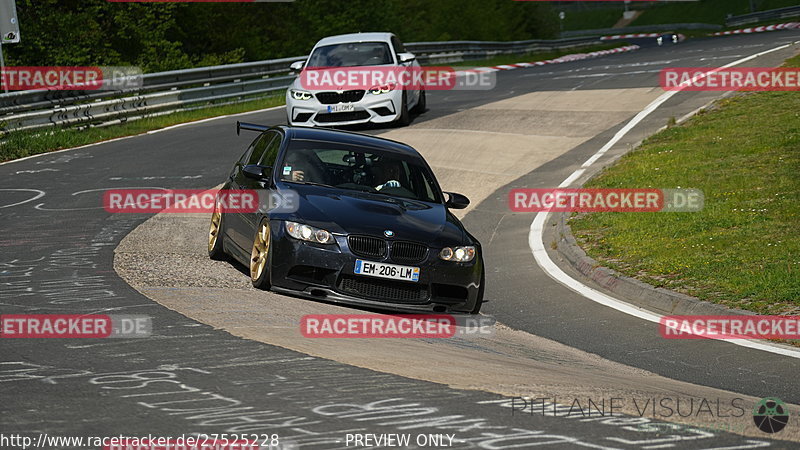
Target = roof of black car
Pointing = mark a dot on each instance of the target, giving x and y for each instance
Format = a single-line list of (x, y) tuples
[(347, 137)]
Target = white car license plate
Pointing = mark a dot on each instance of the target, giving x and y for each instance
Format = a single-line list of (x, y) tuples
[(391, 271), (341, 107)]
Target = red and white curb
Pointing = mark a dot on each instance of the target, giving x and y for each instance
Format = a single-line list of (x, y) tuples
[(562, 59), (631, 36), (763, 29), (615, 37)]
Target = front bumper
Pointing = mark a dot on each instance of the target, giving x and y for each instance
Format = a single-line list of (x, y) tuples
[(327, 273), (381, 108)]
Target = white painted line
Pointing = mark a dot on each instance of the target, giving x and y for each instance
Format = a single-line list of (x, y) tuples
[(67, 149), (39, 194), (141, 134), (605, 74), (172, 127), (179, 125), (570, 179), (536, 234)]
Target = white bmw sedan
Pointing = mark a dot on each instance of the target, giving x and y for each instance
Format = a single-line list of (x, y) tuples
[(342, 103)]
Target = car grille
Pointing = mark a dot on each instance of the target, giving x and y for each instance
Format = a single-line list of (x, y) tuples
[(386, 290), (332, 98), (408, 252), (366, 246), (342, 116)]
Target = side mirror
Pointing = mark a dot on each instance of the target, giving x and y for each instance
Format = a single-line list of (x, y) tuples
[(256, 172), (297, 66), (406, 57), (456, 201)]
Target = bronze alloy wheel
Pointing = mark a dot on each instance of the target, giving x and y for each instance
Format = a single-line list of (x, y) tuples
[(260, 253), (214, 229), (215, 234)]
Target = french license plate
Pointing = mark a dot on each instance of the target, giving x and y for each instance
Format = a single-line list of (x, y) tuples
[(391, 271), (341, 107)]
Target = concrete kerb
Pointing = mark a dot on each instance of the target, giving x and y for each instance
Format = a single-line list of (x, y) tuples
[(655, 299), (638, 293)]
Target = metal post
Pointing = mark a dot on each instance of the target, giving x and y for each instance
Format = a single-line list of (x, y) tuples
[(3, 70)]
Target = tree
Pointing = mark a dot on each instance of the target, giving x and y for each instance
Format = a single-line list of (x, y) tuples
[(165, 36)]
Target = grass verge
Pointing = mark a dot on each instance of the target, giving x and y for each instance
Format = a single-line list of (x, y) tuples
[(19, 144), (743, 249), (530, 57)]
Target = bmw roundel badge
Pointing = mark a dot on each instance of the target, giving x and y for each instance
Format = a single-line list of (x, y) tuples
[(388, 233)]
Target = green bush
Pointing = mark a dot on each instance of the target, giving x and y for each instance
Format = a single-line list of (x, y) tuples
[(165, 36)]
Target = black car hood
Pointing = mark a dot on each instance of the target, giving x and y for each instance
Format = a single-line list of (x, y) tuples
[(353, 212)]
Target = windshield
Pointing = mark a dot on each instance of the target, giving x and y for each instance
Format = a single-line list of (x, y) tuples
[(351, 54), (358, 169)]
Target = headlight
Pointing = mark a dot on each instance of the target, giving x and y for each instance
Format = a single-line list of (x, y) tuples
[(308, 233), (458, 254), (301, 95), (381, 89)]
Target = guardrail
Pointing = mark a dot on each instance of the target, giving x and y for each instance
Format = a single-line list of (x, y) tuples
[(644, 29), (165, 92), (457, 51), (33, 109), (763, 16)]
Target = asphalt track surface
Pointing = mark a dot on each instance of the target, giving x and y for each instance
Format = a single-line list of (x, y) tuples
[(57, 252)]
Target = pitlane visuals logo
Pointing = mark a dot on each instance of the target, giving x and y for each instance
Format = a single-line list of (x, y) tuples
[(771, 415)]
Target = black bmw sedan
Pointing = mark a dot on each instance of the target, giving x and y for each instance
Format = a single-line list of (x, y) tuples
[(362, 221)]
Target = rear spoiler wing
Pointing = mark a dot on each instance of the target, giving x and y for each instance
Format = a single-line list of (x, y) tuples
[(250, 127)]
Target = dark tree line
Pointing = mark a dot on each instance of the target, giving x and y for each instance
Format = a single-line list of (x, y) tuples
[(164, 36)]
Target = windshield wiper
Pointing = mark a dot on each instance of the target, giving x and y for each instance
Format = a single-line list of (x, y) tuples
[(312, 183), (381, 197)]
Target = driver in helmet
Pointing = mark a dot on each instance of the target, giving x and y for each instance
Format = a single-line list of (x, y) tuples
[(388, 174)]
